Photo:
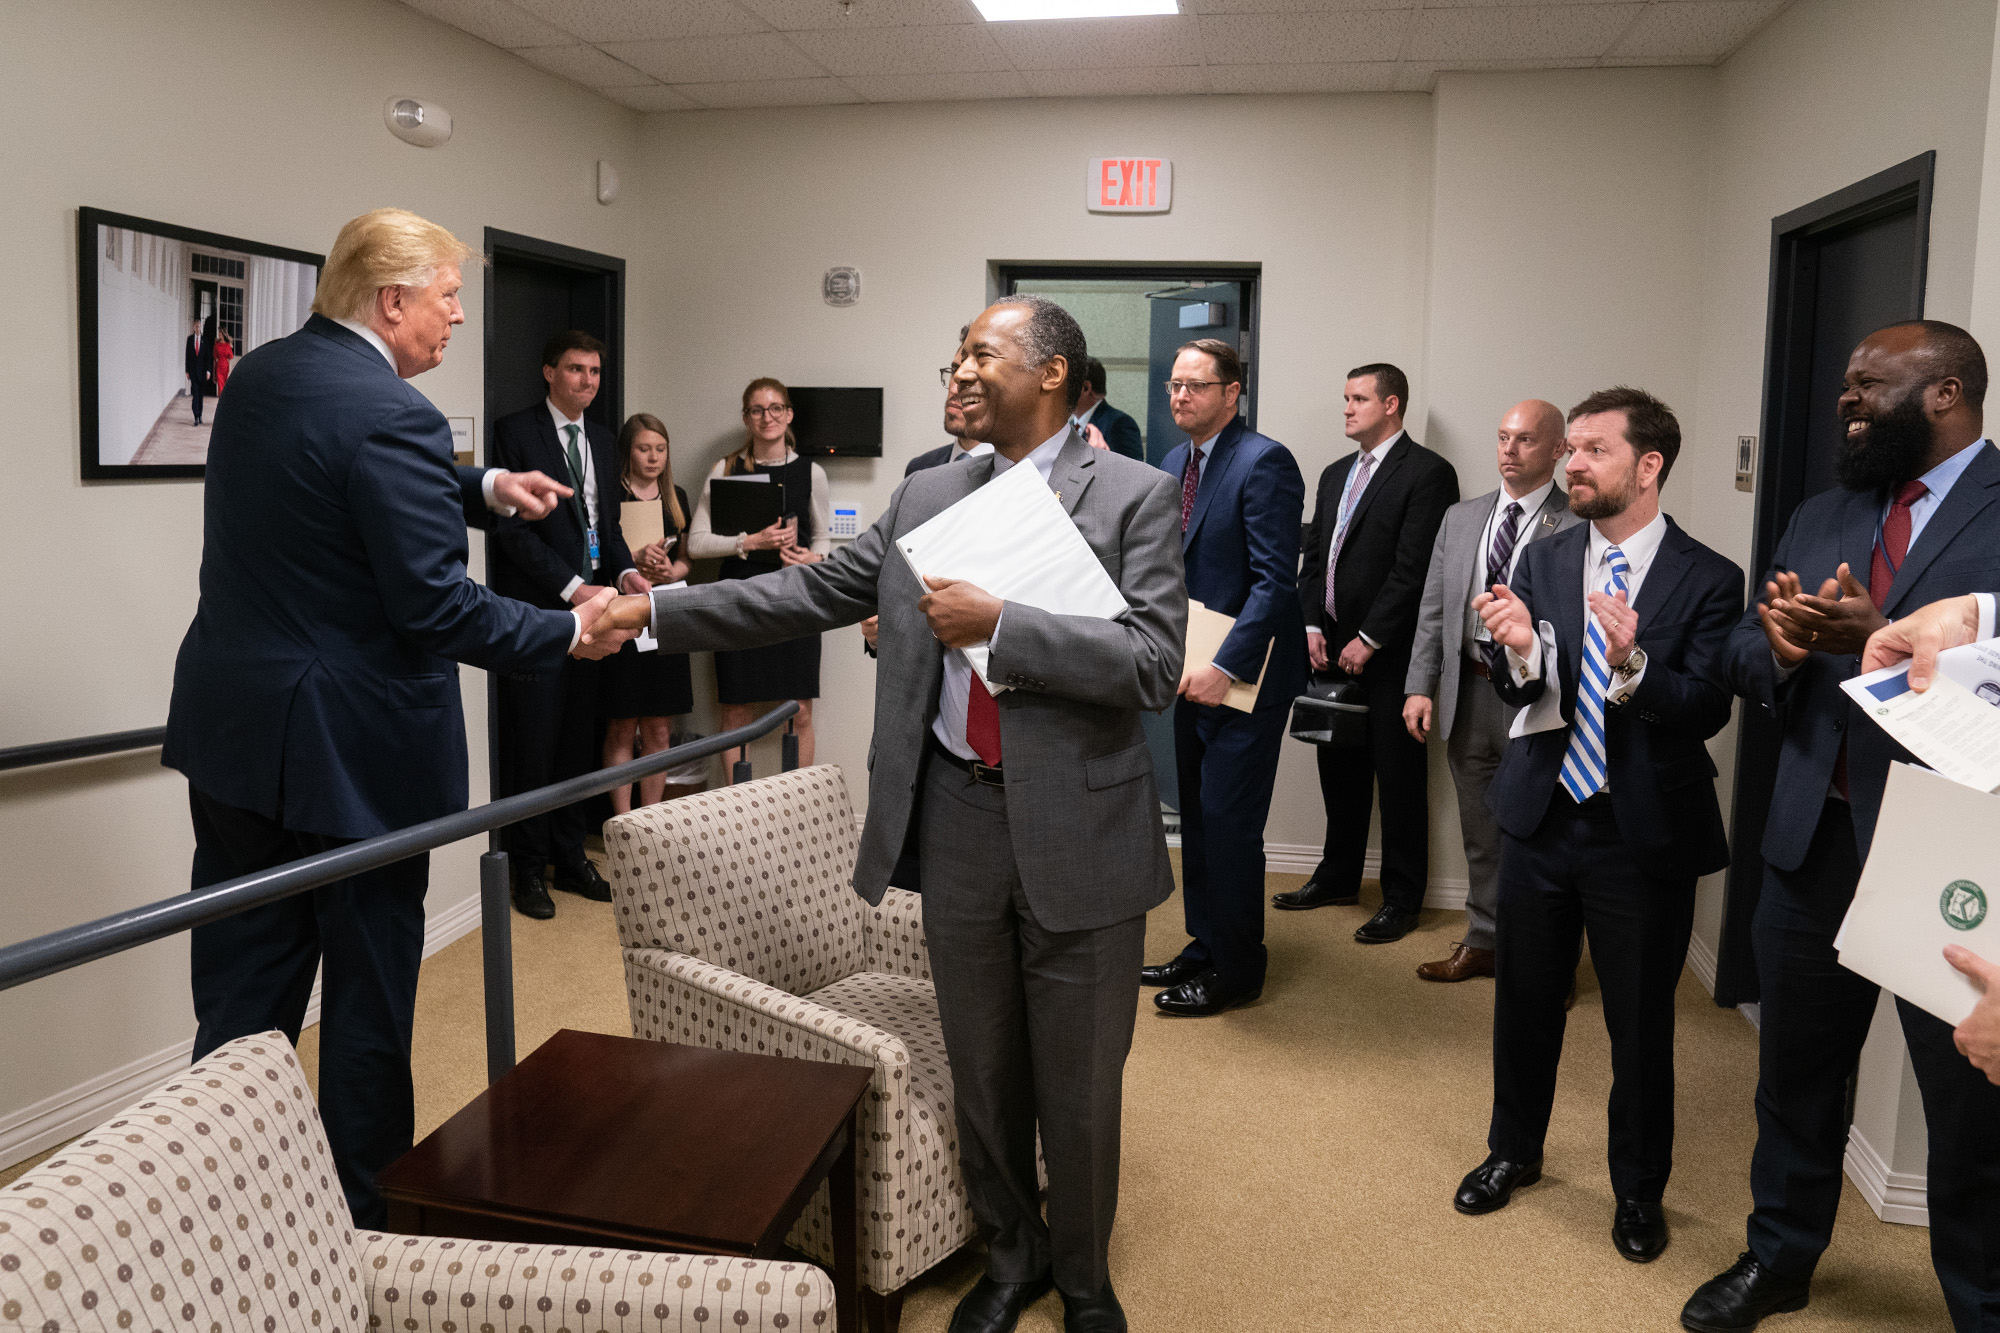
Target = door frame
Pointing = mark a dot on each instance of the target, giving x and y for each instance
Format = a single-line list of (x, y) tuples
[(1780, 485), (512, 245)]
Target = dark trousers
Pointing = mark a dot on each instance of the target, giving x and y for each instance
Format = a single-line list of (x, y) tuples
[(1037, 1025), (1814, 1018), (1575, 875), (1349, 781), (195, 387), (1227, 763), (254, 971), (548, 732)]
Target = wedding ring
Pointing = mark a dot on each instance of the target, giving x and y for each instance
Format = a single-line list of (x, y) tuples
[(1814, 638)]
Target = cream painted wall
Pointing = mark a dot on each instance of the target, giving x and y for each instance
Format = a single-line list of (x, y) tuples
[(251, 120), (746, 210)]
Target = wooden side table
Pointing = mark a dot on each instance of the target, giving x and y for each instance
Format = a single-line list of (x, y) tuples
[(644, 1145)]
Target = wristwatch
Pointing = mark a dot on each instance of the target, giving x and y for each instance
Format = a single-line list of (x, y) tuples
[(1632, 665)]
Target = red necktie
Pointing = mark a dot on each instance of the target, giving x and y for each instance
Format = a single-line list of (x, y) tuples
[(982, 723), (1890, 548), (1190, 483)]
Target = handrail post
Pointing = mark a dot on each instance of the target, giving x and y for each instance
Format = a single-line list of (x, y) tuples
[(740, 770), (496, 942), (790, 746)]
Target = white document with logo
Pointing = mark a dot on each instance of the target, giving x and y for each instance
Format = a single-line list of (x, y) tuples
[(1932, 879), (1952, 726), (1012, 539)]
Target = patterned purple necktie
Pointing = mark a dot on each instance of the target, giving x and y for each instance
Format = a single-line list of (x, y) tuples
[(1190, 484), (1364, 467), (1503, 545)]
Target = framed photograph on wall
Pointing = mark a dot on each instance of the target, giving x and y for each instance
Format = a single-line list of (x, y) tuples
[(164, 312)]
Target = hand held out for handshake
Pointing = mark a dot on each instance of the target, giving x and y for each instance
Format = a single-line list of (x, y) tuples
[(609, 622)]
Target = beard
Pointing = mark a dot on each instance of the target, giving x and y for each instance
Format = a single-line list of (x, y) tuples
[(1891, 449), (1605, 501)]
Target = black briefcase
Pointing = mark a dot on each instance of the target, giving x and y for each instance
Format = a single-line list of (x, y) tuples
[(1331, 712)]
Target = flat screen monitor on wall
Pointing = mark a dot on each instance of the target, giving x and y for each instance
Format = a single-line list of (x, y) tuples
[(838, 423)]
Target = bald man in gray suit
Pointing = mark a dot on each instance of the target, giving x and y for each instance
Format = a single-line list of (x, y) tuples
[(1037, 819)]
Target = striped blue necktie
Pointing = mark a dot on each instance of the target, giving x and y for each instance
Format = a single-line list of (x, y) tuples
[(1583, 770)]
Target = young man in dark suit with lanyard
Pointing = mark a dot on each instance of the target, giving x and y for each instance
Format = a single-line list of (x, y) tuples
[(1917, 515), (548, 723), (1610, 638)]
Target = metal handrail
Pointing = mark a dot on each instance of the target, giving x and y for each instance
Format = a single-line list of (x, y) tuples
[(73, 946), (83, 747)]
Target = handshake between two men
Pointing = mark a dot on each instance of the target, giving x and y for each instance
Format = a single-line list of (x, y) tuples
[(535, 495)]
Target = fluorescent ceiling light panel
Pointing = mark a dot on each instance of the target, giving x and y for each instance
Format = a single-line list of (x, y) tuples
[(1013, 11)]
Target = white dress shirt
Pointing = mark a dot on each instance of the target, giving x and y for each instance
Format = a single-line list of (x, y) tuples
[(587, 486), (1531, 505), (1082, 418), (1378, 453), (956, 688)]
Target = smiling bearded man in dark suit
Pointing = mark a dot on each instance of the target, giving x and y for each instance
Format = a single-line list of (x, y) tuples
[(1038, 819)]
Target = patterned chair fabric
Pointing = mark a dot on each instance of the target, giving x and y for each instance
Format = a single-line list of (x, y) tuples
[(212, 1207), (741, 931)]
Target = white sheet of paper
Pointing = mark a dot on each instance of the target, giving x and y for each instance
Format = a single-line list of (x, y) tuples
[(1932, 879), (1949, 727), (646, 643), (1206, 630), (1012, 539)]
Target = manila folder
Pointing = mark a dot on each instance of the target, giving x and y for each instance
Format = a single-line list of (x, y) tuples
[(1932, 879), (643, 522), (1206, 630)]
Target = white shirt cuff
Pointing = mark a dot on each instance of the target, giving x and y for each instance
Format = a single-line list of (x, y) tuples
[(1622, 687), (569, 589), (1986, 614), (1525, 669), (1786, 670), (620, 584), (577, 636), (486, 485), (1315, 629), (1370, 642)]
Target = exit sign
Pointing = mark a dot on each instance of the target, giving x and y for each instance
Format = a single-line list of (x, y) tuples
[(1129, 185)]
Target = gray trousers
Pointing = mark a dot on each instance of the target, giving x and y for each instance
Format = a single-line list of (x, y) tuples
[(1037, 1024), (1478, 738)]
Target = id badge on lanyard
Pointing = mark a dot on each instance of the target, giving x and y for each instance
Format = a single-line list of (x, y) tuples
[(591, 534)]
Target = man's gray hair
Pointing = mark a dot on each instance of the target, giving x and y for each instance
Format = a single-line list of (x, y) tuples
[(1052, 332)]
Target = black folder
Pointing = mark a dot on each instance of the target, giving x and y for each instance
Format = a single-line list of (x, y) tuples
[(737, 505)]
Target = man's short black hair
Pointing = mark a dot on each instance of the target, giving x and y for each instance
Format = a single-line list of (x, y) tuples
[(1390, 382), (1093, 375), (1650, 424), (1052, 332), (570, 340), (1953, 354)]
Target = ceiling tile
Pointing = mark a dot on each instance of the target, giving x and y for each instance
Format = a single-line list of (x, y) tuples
[(1518, 32), (583, 64), (758, 57), (933, 50), (800, 15), (494, 21), (1303, 39), (1165, 81), (645, 20), (1100, 43), (941, 87), (1375, 76), (1289, 6), (1694, 31), (652, 97), (769, 92)]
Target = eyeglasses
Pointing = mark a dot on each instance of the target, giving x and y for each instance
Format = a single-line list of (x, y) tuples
[(1175, 388), (779, 410), (946, 372)]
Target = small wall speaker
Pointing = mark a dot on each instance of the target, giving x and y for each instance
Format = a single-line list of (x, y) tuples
[(415, 121), (607, 182)]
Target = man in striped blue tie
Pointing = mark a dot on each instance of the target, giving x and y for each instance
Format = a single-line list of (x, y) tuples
[(1610, 639)]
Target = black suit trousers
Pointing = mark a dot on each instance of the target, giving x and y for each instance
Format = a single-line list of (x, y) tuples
[(254, 971), (1814, 1018), (1349, 781), (548, 732), (1576, 874)]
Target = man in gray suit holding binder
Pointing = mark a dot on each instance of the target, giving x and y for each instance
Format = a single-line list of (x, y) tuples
[(1035, 814)]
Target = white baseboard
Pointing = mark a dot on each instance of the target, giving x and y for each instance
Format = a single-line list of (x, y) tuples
[(1701, 961), (1299, 858), (62, 1116), (1896, 1196)]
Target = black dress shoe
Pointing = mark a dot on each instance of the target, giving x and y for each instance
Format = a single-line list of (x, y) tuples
[(1203, 997), (584, 882), (1488, 1186), (1171, 973), (1386, 926), (1093, 1314), (1639, 1230), (995, 1307), (1733, 1302), (1313, 893), (531, 896)]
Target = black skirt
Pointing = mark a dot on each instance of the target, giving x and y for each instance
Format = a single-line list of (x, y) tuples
[(654, 684), (770, 674)]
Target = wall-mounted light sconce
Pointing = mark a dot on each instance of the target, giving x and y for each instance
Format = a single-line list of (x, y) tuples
[(415, 121)]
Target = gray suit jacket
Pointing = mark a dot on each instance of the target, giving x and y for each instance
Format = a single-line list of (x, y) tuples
[(1456, 562), (1081, 802)]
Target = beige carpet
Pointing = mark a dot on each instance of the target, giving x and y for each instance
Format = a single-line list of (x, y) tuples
[(1290, 1165)]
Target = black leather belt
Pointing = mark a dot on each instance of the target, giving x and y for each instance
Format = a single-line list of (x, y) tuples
[(1478, 667), (972, 768)]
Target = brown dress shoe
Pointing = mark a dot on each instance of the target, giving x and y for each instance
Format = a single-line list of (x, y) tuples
[(1464, 964)]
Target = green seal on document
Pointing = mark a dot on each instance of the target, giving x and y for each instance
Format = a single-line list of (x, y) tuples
[(1962, 905)]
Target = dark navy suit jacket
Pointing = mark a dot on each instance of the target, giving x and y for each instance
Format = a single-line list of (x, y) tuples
[(1120, 431), (1957, 552), (318, 684), (1662, 779), (1241, 551), (930, 458)]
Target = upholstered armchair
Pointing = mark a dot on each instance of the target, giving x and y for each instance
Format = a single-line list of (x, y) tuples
[(741, 931), (212, 1206)]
